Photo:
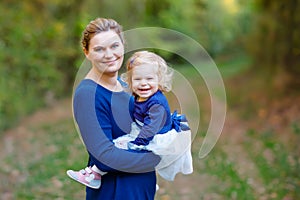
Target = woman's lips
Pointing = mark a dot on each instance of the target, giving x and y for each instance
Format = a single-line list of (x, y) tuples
[(111, 62)]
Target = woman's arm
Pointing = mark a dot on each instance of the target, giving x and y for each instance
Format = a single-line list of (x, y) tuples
[(99, 146)]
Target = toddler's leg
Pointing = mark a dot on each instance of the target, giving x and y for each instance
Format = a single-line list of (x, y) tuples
[(96, 169)]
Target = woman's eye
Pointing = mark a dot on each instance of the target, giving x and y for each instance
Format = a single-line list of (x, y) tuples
[(114, 46), (98, 49)]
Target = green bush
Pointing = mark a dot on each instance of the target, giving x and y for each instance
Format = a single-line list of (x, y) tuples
[(37, 56)]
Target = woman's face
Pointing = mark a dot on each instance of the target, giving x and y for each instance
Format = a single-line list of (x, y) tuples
[(106, 52)]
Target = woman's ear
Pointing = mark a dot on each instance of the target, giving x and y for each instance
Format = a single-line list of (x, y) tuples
[(86, 52)]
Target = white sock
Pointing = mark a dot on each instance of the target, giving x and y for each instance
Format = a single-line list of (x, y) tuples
[(95, 168)]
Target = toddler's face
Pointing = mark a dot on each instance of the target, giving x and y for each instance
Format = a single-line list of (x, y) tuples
[(144, 81)]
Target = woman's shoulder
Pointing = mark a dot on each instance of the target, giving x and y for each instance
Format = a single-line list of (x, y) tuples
[(89, 89), (85, 86), (88, 86), (86, 83)]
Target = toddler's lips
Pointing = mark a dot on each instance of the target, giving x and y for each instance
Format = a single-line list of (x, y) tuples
[(144, 90)]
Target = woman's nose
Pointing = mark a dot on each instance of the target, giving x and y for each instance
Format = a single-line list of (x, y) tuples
[(108, 53)]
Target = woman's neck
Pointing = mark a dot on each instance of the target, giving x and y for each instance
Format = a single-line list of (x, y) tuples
[(106, 80)]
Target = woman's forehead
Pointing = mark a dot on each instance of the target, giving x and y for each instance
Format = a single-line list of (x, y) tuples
[(105, 38)]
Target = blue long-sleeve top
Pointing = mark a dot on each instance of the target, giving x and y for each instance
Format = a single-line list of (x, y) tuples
[(101, 116), (154, 113)]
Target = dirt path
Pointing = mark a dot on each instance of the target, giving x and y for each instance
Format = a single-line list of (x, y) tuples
[(186, 187), (14, 138), (232, 141), (16, 142)]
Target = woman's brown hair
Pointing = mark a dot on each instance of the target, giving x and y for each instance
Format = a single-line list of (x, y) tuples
[(97, 26)]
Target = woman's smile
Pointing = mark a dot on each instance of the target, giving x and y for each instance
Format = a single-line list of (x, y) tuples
[(111, 62)]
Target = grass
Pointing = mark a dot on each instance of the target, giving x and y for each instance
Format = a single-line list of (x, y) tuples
[(278, 164), (54, 149), (232, 185), (233, 66), (43, 176), (278, 167)]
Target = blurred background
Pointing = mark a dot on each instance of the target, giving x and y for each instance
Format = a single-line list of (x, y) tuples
[(255, 44)]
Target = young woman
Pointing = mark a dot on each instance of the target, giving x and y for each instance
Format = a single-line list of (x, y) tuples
[(102, 111)]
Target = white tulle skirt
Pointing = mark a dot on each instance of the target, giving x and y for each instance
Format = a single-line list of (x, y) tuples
[(173, 147)]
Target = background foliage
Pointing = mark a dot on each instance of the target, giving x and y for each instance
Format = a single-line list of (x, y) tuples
[(40, 40)]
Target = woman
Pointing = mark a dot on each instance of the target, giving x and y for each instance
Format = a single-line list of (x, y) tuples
[(102, 111)]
